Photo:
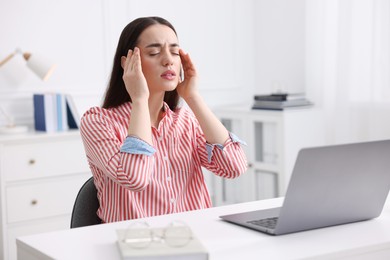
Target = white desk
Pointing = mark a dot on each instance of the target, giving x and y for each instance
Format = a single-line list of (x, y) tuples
[(363, 240)]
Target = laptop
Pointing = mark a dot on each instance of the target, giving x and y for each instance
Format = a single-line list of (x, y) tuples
[(329, 185)]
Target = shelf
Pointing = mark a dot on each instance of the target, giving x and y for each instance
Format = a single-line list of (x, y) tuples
[(274, 139)]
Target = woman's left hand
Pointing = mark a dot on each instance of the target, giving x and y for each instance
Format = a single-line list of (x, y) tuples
[(188, 87)]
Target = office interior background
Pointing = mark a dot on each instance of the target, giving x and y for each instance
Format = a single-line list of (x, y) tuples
[(337, 52)]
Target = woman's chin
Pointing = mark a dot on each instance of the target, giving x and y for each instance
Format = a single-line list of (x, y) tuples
[(165, 86), (170, 87)]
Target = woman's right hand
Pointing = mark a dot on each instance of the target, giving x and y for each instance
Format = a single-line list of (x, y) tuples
[(133, 77)]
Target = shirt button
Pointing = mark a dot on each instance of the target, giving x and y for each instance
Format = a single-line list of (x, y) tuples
[(172, 201), (165, 158), (168, 178), (160, 138)]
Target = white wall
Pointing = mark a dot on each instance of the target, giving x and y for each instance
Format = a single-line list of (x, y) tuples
[(348, 67), (280, 46), (239, 46), (71, 33)]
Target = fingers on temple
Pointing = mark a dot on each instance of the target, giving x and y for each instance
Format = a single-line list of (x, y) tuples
[(185, 59), (125, 61), (136, 61)]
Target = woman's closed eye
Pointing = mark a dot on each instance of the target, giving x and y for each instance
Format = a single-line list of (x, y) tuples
[(176, 53)]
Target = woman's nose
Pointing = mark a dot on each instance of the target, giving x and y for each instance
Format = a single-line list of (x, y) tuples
[(167, 58)]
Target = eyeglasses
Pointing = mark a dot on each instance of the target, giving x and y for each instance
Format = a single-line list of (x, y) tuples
[(141, 235)]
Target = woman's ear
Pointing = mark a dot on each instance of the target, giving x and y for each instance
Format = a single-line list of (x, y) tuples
[(123, 62)]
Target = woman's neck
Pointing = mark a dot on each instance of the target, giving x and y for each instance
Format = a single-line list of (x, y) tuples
[(156, 109)]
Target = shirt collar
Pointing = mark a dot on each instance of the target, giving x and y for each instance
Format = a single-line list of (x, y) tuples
[(167, 110)]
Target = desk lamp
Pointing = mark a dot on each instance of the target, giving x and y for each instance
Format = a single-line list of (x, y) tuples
[(42, 68)]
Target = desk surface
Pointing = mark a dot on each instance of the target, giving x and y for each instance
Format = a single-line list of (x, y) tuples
[(223, 240)]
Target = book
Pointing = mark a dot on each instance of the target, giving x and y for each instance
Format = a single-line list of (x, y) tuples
[(280, 97), (62, 119), (45, 116), (54, 112), (39, 112), (194, 250), (72, 114), (50, 112), (280, 105)]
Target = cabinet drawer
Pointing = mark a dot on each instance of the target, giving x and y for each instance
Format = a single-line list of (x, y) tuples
[(27, 161), (44, 199)]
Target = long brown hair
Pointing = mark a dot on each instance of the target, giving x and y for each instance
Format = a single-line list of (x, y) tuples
[(116, 93)]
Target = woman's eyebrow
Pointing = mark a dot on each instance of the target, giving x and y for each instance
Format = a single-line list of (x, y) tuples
[(159, 45)]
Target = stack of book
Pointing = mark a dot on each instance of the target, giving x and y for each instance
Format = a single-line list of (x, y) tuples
[(280, 101), (55, 112)]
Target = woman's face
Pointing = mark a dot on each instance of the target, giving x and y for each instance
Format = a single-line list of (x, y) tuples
[(159, 48)]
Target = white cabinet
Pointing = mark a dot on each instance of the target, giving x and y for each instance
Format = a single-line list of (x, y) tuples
[(273, 140), (40, 176)]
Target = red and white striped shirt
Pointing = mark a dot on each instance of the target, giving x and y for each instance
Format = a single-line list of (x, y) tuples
[(134, 186)]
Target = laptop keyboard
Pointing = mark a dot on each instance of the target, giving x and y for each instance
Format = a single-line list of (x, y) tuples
[(267, 222)]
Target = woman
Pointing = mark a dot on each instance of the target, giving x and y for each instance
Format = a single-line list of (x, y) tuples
[(146, 152)]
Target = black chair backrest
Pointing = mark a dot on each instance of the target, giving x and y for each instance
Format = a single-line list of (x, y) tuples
[(85, 206)]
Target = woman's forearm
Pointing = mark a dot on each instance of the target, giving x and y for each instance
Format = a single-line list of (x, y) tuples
[(214, 131), (140, 125)]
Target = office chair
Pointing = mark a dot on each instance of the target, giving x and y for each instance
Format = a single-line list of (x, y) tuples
[(85, 206)]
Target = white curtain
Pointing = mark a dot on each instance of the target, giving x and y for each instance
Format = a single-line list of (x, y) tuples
[(348, 67)]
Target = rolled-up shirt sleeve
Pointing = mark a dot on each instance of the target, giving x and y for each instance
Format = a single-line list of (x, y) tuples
[(135, 145), (103, 144), (210, 147), (227, 160)]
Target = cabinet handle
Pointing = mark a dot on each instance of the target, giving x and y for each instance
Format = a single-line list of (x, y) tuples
[(250, 165), (34, 202), (31, 161)]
